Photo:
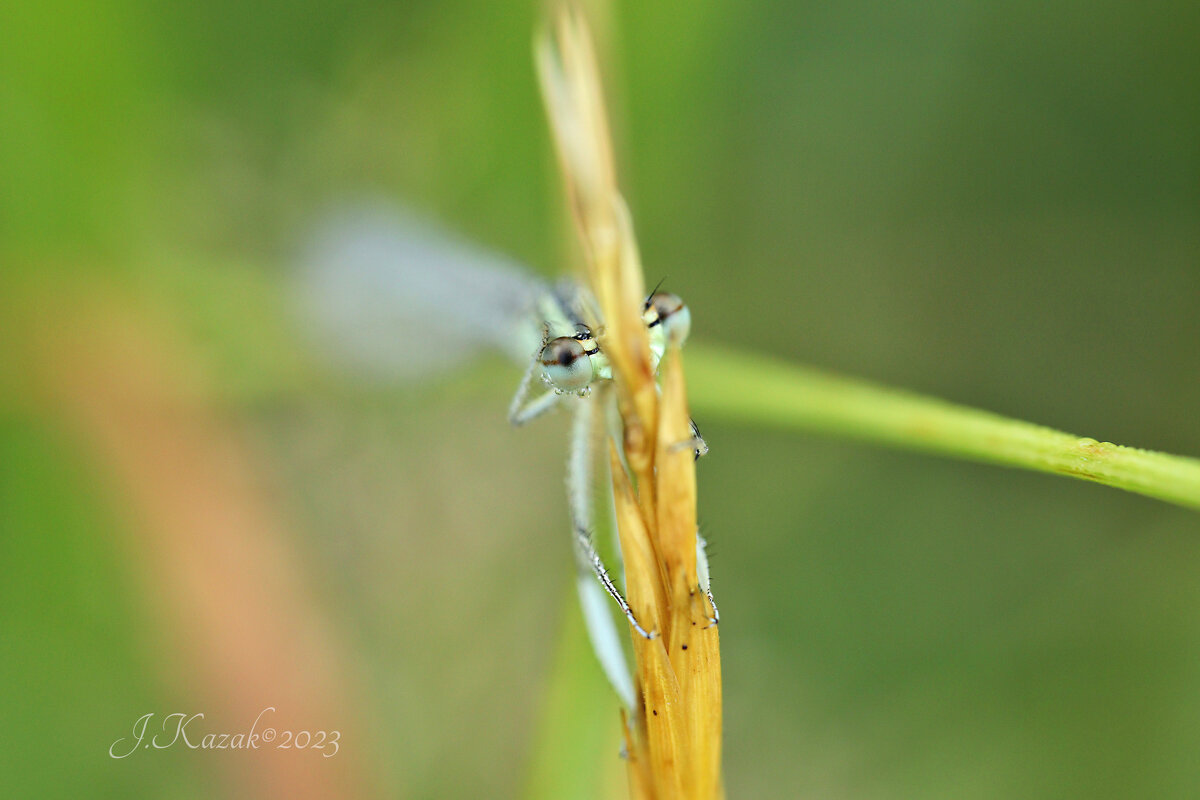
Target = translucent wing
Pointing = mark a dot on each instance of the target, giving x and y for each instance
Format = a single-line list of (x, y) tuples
[(399, 298)]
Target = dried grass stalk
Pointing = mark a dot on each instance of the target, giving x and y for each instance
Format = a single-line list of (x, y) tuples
[(673, 739)]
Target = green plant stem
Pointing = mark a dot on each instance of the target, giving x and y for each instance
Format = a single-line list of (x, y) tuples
[(746, 388)]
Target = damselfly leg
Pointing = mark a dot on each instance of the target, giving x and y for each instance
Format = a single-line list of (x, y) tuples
[(520, 412)]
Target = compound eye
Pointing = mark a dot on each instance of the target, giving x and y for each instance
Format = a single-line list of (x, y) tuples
[(566, 363), (668, 310)]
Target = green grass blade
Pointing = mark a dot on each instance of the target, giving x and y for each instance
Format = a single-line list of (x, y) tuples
[(732, 386), (575, 754)]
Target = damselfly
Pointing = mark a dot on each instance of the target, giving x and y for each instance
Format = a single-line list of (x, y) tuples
[(399, 297)]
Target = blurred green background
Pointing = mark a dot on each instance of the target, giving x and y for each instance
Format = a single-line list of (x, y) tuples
[(998, 203)]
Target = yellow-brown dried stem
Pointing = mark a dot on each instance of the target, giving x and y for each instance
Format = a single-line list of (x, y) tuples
[(674, 738)]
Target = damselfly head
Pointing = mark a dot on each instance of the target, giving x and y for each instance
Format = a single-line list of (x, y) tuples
[(567, 362), (668, 311)]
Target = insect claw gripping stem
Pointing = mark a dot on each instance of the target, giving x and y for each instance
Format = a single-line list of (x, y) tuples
[(705, 581), (697, 440), (715, 619), (695, 443)]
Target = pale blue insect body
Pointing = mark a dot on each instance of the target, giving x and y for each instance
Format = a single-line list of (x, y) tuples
[(398, 297)]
